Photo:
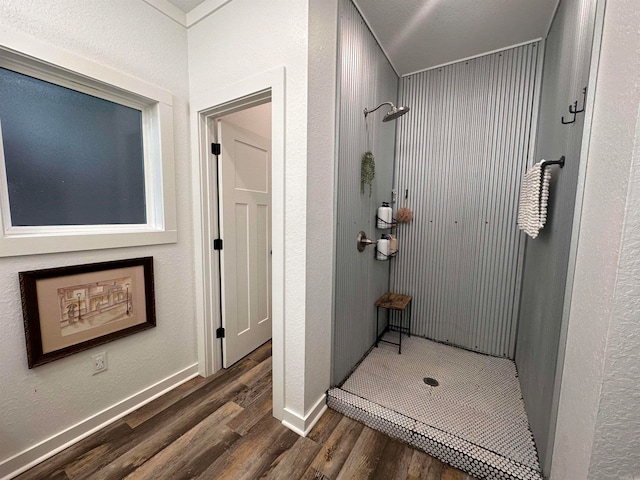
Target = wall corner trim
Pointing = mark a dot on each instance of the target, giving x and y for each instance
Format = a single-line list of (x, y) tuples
[(202, 11), (302, 425), (36, 454), (170, 10)]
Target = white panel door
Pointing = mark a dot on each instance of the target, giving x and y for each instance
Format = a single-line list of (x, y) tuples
[(245, 173)]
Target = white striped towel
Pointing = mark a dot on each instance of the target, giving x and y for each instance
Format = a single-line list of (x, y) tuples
[(534, 196)]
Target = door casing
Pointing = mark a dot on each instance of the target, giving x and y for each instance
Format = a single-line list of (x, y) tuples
[(269, 86)]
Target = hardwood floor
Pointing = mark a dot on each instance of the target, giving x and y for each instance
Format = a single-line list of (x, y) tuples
[(221, 428)]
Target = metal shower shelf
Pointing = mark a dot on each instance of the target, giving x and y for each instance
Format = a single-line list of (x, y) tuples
[(388, 225), (387, 256)]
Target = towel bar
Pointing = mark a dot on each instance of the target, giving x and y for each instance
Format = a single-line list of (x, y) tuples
[(554, 162)]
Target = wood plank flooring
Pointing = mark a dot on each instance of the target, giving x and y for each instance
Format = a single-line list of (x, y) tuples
[(221, 428)]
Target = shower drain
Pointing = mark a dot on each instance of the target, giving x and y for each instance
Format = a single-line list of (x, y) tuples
[(431, 381)]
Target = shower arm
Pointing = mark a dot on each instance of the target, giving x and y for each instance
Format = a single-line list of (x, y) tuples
[(367, 112)]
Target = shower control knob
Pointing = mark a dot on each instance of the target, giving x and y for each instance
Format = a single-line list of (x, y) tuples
[(363, 241)]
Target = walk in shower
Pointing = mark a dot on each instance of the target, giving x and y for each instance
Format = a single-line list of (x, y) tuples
[(486, 303)]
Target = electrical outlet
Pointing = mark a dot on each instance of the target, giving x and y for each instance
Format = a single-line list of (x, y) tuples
[(99, 362)]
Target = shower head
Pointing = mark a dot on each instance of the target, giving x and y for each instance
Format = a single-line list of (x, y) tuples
[(395, 113), (392, 114)]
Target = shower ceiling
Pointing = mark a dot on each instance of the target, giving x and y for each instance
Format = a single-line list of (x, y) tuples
[(420, 34)]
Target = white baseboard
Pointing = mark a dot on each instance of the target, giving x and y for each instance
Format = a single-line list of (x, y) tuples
[(303, 425), (30, 457)]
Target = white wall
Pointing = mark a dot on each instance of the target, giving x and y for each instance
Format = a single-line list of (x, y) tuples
[(240, 40), (321, 136), (599, 415), (136, 39)]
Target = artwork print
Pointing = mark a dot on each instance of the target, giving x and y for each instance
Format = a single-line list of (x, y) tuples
[(70, 309), (90, 305)]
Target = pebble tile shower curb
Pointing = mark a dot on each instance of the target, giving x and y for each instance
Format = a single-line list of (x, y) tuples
[(475, 421)]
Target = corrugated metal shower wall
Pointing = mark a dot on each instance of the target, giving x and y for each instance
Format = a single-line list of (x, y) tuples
[(365, 79), (461, 153), (567, 63)]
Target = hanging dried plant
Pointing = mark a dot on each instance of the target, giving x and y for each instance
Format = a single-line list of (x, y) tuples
[(367, 171)]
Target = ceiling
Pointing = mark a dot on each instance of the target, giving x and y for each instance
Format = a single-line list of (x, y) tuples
[(421, 34)]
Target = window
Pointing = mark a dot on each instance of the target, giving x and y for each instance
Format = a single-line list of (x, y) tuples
[(84, 164), (70, 158)]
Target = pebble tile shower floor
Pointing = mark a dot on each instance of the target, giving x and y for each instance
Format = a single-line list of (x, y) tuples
[(473, 420)]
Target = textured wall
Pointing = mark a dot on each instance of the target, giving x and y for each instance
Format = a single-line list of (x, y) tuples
[(599, 414), (321, 139), (134, 38), (365, 79), (461, 154), (566, 73), (241, 39), (616, 445)]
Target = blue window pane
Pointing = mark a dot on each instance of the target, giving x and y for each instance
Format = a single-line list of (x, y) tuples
[(71, 158)]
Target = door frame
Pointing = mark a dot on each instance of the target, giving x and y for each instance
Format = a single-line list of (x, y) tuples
[(250, 92)]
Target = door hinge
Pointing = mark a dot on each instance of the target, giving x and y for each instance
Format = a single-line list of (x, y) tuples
[(220, 332), (217, 244), (215, 148)]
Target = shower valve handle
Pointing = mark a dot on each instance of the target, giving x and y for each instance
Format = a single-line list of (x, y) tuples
[(363, 241)]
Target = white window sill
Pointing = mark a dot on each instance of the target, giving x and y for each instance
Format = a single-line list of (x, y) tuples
[(31, 244)]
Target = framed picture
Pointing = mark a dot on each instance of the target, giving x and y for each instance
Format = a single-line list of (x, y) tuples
[(70, 309)]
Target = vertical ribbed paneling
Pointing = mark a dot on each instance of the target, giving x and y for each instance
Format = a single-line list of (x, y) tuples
[(566, 73), (462, 151), (365, 79)]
